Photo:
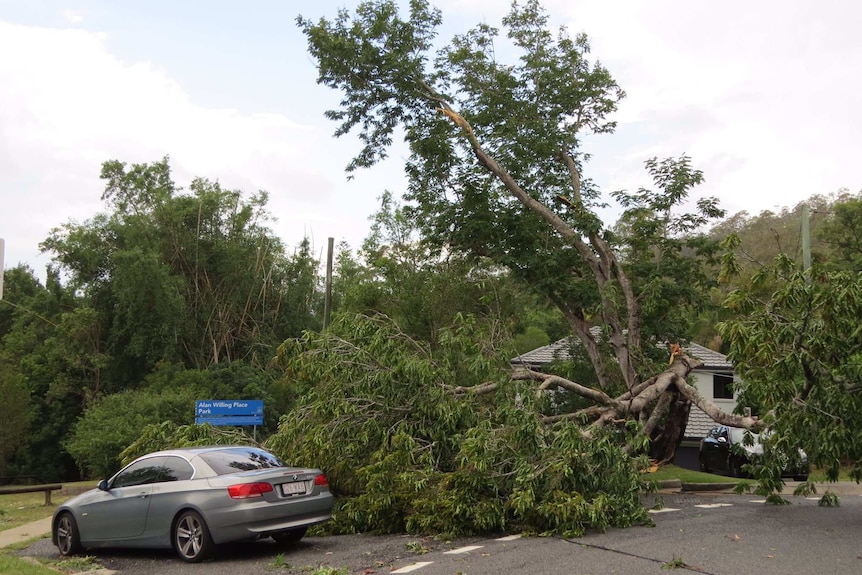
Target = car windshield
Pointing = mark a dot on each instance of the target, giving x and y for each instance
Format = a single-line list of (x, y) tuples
[(232, 460), (737, 435)]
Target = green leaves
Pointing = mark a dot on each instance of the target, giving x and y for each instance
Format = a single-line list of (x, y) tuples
[(404, 452), (797, 354), (378, 61)]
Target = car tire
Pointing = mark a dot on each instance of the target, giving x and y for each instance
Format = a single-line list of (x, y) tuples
[(191, 537), (289, 537), (68, 537), (703, 465), (734, 465)]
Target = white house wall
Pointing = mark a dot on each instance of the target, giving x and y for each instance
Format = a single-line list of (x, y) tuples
[(699, 423)]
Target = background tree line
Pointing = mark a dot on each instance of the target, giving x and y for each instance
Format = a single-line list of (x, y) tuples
[(83, 378)]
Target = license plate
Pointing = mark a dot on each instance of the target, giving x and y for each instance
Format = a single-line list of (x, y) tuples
[(293, 488)]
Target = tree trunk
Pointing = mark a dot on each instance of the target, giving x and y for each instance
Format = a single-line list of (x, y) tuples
[(667, 437)]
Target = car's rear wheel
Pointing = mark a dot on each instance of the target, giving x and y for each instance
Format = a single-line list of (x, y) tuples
[(288, 537), (703, 465), (68, 538), (191, 537)]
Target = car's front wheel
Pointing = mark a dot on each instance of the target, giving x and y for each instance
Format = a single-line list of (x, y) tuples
[(68, 538), (734, 465), (288, 537), (704, 466), (191, 537)]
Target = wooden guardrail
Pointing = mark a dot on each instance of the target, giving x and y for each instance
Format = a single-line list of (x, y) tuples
[(13, 490)]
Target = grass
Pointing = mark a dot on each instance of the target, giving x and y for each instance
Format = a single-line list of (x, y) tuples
[(11, 565), (667, 472), (690, 476), (18, 509), (819, 475)]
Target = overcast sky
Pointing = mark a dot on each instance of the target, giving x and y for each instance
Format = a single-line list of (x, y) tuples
[(761, 94)]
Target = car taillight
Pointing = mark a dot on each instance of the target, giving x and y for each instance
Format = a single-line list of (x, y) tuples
[(321, 480), (247, 490)]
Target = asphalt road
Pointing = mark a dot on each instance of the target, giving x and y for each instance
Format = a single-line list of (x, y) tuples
[(717, 534)]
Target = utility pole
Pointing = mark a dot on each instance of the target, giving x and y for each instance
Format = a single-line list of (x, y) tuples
[(806, 243), (327, 301), (2, 268)]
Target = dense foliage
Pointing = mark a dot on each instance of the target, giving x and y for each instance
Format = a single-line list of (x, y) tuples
[(410, 442), (168, 394), (798, 353)]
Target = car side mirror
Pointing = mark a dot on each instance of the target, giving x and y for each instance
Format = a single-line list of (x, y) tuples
[(103, 485), (722, 440)]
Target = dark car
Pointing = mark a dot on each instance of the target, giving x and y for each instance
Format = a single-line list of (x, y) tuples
[(192, 499), (724, 449)]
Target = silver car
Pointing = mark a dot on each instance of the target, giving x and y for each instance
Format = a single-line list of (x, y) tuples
[(192, 499)]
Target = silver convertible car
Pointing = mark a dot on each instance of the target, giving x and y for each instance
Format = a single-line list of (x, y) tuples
[(193, 499)]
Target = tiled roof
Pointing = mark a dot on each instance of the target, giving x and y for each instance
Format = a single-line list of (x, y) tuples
[(699, 423), (559, 350)]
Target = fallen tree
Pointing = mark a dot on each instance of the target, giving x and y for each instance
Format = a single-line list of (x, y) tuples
[(404, 450)]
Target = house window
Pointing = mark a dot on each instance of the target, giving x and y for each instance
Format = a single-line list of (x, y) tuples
[(722, 386)]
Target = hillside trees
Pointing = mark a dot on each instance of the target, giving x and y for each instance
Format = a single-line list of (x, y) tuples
[(496, 171), (843, 233)]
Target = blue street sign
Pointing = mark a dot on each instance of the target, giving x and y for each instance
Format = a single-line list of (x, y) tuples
[(229, 411)]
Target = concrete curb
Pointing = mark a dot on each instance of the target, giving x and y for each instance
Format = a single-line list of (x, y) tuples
[(689, 487)]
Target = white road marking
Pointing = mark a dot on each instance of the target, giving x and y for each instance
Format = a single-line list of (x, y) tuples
[(509, 538), (758, 501), (412, 567), (714, 505), (662, 510), (463, 549), (813, 498)]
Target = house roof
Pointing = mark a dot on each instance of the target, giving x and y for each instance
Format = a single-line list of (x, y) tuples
[(559, 350), (699, 423)]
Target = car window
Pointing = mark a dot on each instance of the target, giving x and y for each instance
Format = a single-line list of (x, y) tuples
[(176, 469), (139, 473), (224, 461)]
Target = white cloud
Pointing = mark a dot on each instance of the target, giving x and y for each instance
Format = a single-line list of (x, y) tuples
[(762, 95), (72, 16), (67, 104)]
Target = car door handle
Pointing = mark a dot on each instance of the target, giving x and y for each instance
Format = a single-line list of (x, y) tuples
[(143, 495)]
